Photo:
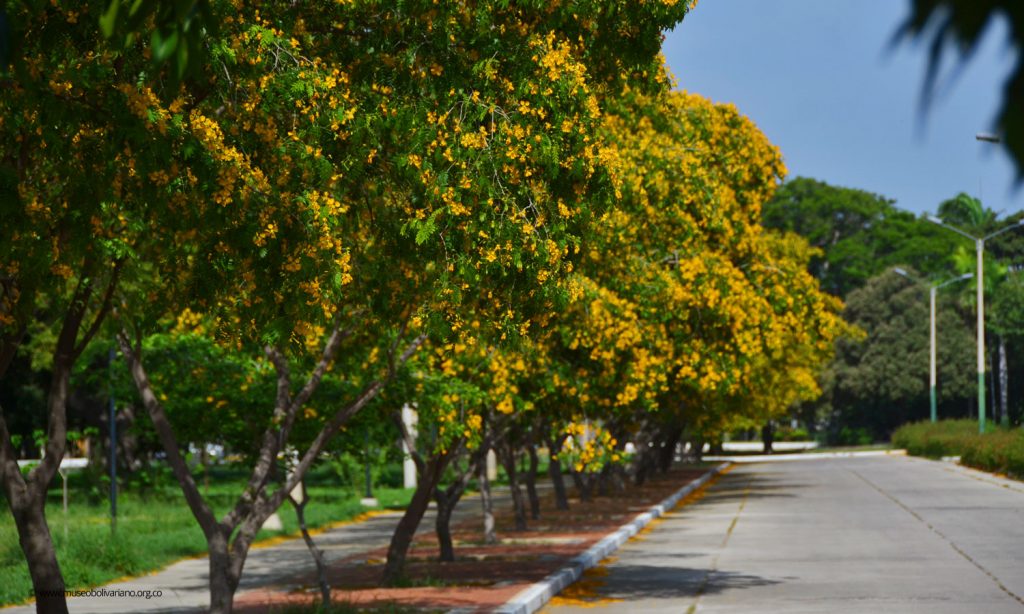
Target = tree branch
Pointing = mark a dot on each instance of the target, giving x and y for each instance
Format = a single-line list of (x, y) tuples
[(339, 419), (104, 308), (13, 482), (165, 433), (63, 361)]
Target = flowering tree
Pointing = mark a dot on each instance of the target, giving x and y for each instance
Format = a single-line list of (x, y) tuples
[(358, 170)]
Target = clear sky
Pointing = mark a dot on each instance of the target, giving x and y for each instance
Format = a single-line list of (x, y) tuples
[(820, 78)]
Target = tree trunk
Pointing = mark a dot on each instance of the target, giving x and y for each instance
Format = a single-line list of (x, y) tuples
[(697, 449), (1004, 383), (555, 472), (486, 502), (643, 457), (531, 482), (768, 436), (584, 484), (447, 499), (508, 459), (26, 496), (442, 527), (716, 446), (667, 454), (317, 554), (603, 478), (36, 543), (401, 539), (222, 584)]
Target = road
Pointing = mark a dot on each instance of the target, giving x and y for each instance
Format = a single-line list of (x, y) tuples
[(874, 534)]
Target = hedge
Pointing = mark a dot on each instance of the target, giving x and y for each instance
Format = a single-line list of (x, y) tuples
[(998, 450)]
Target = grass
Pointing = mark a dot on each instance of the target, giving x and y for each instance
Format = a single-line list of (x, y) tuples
[(998, 450), (153, 530)]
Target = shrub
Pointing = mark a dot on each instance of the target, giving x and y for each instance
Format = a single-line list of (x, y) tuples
[(998, 450)]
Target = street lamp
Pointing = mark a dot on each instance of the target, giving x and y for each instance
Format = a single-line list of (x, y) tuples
[(932, 290), (979, 244)]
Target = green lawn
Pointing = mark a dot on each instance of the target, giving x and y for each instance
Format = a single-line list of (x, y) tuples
[(153, 530)]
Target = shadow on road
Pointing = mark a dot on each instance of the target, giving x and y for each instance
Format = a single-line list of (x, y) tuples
[(634, 582), (745, 485)]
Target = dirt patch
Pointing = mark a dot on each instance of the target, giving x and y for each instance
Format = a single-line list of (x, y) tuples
[(483, 576)]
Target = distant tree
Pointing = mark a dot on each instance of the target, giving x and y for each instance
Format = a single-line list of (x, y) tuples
[(968, 213), (881, 381), (860, 234)]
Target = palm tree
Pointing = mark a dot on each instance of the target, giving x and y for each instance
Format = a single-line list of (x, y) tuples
[(968, 213)]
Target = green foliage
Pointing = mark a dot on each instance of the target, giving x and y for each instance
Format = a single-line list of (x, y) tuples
[(788, 433), (998, 450), (860, 234), (881, 381)]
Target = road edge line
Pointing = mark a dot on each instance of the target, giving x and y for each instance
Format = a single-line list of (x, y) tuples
[(535, 596)]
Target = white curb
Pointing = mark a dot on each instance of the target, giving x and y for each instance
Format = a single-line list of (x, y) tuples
[(533, 598), (778, 458)]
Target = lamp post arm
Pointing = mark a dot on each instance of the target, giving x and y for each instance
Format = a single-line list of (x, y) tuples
[(935, 220), (954, 280), (1002, 230)]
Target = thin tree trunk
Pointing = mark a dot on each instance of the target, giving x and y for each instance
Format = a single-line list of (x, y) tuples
[(531, 481), (442, 527), (508, 459), (486, 501), (401, 539), (447, 499), (768, 436), (667, 455), (603, 479), (1004, 383), (584, 484), (555, 472), (697, 449), (317, 554)]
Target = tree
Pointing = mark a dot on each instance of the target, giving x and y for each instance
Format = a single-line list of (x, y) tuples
[(860, 234), (391, 186), (881, 381), (69, 146)]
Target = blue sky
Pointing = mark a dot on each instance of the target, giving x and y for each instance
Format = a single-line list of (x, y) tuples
[(820, 79)]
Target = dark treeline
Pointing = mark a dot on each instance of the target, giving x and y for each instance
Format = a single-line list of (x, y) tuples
[(876, 383)]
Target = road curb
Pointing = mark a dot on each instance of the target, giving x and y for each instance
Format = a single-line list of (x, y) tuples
[(774, 458), (533, 598)]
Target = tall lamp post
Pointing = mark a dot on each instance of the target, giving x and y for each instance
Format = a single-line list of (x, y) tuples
[(932, 374), (979, 245)]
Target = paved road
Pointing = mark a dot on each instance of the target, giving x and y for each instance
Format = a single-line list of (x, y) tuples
[(879, 534)]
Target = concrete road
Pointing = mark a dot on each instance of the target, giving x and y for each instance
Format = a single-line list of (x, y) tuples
[(877, 534)]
